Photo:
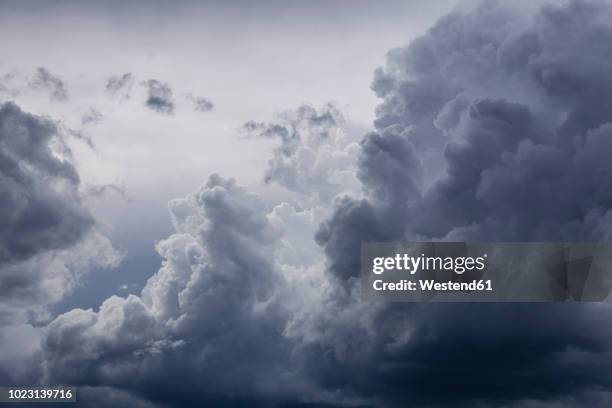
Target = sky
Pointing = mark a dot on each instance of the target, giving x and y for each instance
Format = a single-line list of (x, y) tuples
[(252, 61), (184, 189)]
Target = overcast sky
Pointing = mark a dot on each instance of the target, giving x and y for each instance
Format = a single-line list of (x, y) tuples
[(185, 186), (250, 60)]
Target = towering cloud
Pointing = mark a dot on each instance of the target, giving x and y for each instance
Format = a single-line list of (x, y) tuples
[(495, 125), (488, 131), (507, 110), (208, 323)]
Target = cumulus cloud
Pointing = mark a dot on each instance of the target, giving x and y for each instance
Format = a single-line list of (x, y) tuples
[(214, 312), (39, 190), (200, 104), (487, 130), (159, 96), (120, 85), (43, 79), (314, 156), (48, 238), (512, 169)]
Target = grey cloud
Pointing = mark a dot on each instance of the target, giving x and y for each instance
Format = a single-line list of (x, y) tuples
[(509, 168), (292, 124), (91, 116), (314, 156), (20, 358), (102, 397), (48, 238), (201, 104), (8, 85), (487, 131), (387, 168), (208, 323), (79, 135), (159, 96), (120, 85), (479, 355), (100, 190), (501, 101), (43, 79), (40, 205)]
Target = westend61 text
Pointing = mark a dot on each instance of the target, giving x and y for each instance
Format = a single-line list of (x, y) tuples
[(432, 285)]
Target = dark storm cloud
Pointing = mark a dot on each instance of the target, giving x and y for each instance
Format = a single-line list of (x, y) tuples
[(47, 235), (512, 168), (201, 104), (387, 169), (39, 205), (48, 238), (503, 102), (493, 126), (222, 338), (43, 79), (102, 397), (120, 85), (159, 96), (445, 355)]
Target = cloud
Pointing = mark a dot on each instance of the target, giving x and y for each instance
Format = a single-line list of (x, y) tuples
[(91, 116), (314, 156), (103, 189), (9, 83), (43, 79), (102, 397), (39, 200), (78, 135), (402, 355), (160, 98), (487, 130), (48, 238), (214, 310), (200, 104), (120, 85), (510, 167), (19, 342), (520, 148)]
